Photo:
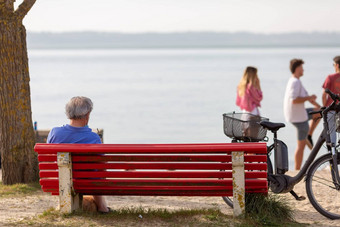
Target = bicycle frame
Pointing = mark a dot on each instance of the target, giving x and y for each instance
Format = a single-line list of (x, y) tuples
[(299, 176), (324, 137)]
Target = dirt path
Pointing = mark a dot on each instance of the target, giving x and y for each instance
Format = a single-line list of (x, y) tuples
[(17, 208)]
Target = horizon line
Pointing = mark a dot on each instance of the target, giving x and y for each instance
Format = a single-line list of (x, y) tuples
[(184, 32)]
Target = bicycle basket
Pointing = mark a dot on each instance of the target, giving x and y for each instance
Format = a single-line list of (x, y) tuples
[(337, 122), (244, 126)]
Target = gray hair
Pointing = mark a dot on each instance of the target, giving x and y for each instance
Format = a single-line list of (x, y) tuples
[(78, 107)]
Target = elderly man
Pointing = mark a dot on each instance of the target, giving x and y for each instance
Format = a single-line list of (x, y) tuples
[(78, 110)]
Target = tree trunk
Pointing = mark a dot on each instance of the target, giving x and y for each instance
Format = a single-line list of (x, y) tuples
[(19, 162)]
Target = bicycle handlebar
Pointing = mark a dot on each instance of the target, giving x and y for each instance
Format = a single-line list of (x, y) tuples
[(316, 112), (332, 95)]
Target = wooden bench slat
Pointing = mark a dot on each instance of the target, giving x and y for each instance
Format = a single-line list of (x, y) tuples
[(257, 148), (48, 166), (47, 158), (153, 158), (166, 193), (159, 184), (49, 174), (131, 165), (158, 188), (164, 174), (164, 165), (162, 193), (157, 193), (167, 165), (158, 158), (154, 174), (145, 174)]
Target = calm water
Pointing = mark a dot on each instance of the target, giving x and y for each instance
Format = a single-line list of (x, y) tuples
[(167, 95)]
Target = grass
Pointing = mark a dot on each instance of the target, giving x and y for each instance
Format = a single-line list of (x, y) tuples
[(134, 216), (270, 210), (18, 189), (261, 211)]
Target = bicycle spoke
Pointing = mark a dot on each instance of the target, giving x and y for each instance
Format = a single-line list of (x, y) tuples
[(320, 182), (324, 183)]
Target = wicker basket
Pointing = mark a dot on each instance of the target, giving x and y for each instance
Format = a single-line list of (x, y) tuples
[(244, 126)]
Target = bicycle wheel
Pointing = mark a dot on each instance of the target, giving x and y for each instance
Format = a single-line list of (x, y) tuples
[(229, 199), (319, 183)]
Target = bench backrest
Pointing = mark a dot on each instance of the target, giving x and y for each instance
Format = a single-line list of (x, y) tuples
[(154, 169)]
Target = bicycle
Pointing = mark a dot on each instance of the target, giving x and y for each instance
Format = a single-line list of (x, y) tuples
[(321, 175)]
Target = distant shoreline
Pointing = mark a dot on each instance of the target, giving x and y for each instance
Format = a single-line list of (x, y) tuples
[(184, 40), (176, 47)]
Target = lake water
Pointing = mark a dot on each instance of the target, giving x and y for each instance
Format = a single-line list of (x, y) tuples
[(167, 95)]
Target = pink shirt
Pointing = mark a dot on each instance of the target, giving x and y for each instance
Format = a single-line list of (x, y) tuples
[(250, 100)]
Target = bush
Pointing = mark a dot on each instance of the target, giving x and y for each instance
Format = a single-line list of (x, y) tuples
[(269, 210)]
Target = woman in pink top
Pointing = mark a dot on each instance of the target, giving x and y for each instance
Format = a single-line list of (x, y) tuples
[(249, 94)]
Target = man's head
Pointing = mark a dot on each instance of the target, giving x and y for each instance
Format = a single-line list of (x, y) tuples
[(296, 67), (79, 108), (337, 63)]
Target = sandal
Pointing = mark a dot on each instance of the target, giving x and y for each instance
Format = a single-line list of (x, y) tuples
[(103, 212)]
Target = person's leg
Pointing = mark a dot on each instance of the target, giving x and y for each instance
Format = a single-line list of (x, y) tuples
[(331, 126), (302, 131), (299, 153), (313, 122), (101, 203)]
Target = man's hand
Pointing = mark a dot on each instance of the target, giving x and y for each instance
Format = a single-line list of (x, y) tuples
[(312, 98)]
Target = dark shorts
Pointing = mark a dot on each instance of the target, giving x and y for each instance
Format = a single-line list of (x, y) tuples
[(310, 116), (303, 127)]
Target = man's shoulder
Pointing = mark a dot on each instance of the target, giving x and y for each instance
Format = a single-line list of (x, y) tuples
[(294, 82), (94, 136), (334, 76), (57, 129)]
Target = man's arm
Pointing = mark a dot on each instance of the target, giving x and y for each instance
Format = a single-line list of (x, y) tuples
[(303, 99), (324, 97), (316, 105)]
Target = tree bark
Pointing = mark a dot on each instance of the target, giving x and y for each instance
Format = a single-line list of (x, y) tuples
[(17, 139)]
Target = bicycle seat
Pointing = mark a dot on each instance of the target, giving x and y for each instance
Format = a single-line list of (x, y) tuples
[(271, 125)]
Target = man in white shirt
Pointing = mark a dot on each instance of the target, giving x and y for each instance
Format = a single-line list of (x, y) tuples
[(295, 112)]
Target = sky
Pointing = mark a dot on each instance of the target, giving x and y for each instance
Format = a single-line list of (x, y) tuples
[(138, 16)]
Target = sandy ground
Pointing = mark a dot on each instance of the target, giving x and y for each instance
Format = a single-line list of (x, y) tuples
[(15, 209)]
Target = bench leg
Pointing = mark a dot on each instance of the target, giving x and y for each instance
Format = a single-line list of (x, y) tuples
[(68, 200), (238, 183)]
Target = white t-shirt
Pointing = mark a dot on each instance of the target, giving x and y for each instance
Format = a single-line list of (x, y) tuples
[(294, 112)]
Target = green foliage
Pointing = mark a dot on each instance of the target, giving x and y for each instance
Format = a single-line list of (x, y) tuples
[(132, 216), (18, 189), (269, 210), (262, 211)]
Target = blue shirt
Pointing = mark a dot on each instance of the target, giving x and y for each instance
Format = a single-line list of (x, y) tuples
[(70, 134)]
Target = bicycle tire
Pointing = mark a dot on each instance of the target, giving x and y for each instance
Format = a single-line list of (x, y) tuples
[(229, 199), (322, 177)]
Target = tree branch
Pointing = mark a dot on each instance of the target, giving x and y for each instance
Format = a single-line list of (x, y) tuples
[(23, 8), (6, 8)]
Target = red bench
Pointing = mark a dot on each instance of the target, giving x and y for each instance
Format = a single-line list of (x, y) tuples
[(69, 170)]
